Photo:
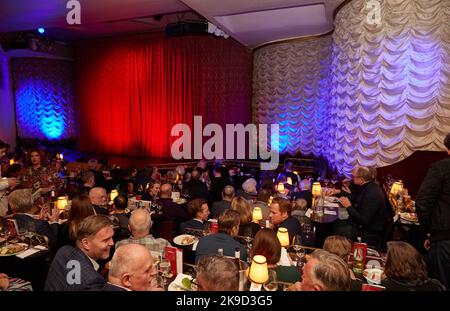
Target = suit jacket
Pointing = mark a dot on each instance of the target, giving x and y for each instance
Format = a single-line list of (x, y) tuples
[(195, 224), (41, 227), (113, 288), (100, 210), (61, 271), (208, 245), (197, 190), (219, 207), (171, 210)]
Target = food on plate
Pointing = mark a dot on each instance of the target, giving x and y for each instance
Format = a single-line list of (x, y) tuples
[(12, 249), (412, 217), (186, 282), (187, 240)]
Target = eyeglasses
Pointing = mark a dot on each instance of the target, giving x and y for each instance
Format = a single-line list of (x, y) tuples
[(194, 282)]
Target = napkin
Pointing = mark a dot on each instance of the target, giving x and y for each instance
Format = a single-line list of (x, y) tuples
[(308, 213), (329, 212), (27, 253)]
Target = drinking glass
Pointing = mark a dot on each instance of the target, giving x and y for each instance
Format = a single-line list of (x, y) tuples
[(271, 284), (164, 270), (4, 231)]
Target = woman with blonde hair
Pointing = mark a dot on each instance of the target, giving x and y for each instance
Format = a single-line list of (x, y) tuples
[(246, 227), (406, 270)]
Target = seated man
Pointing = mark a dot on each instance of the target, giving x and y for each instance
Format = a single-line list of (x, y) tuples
[(299, 209), (131, 268), (280, 216), (228, 228), (221, 206), (324, 271), (26, 214), (140, 224), (75, 268), (99, 199), (217, 274), (170, 209), (199, 211)]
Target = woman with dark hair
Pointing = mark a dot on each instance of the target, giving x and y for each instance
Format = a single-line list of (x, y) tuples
[(80, 209), (406, 270), (39, 174), (246, 227), (266, 243)]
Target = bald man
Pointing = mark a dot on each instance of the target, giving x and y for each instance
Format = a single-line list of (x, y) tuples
[(170, 209), (99, 198), (221, 206), (140, 224), (131, 269)]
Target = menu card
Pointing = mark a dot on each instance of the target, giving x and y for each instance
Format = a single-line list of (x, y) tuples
[(359, 256), (175, 256)]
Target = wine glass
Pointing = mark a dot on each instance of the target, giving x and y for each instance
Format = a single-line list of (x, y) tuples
[(4, 232), (164, 270), (297, 244), (334, 180), (271, 284)]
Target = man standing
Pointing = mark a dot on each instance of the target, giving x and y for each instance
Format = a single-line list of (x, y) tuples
[(75, 268), (368, 209), (433, 210)]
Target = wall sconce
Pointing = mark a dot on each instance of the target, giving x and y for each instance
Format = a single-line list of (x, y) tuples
[(258, 273), (283, 236), (257, 214), (114, 193)]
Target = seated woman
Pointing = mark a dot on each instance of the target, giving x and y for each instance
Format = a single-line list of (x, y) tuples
[(152, 191), (246, 227), (342, 247), (406, 270), (266, 243), (39, 174), (81, 208)]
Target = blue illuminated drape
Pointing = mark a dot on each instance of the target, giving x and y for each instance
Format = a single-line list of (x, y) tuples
[(44, 98)]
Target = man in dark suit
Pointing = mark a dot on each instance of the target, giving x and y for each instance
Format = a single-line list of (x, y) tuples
[(100, 180), (199, 211), (228, 228), (170, 209), (75, 268), (367, 210), (131, 268), (196, 189), (221, 206), (26, 215), (433, 210), (218, 182)]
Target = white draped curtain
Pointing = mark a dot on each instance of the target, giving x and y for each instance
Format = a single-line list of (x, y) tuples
[(380, 94)]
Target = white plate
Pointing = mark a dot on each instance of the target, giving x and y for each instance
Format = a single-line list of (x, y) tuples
[(176, 284), (23, 245), (179, 239)]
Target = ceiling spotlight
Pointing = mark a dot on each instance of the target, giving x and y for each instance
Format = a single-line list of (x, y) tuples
[(41, 30)]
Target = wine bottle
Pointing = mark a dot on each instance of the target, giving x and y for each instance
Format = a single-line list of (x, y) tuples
[(237, 258)]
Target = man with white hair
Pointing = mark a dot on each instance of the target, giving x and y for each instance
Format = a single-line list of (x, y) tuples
[(140, 224), (99, 198), (249, 189), (131, 269)]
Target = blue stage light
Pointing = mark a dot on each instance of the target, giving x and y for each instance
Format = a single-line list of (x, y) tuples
[(41, 30)]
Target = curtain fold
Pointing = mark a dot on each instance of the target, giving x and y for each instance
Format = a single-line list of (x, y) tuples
[(132, 90)]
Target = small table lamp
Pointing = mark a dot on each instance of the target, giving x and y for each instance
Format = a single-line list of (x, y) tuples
[(257, 214), (62, 204), (316, 191), (289, 181), (258, 272), (113, 195), (283, 236), (280, 188), (396, 188)]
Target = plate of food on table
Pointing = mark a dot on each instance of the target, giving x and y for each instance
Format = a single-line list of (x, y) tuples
[(184, 239), (12, 249)]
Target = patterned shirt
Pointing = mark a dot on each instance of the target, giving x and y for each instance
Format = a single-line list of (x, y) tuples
[(156, 247)]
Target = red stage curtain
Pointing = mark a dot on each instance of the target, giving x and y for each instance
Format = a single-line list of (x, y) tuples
[(132, 90)]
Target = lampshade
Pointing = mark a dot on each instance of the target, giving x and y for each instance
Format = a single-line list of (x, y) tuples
[(258, 272), (270, 200), (113, 195), (283, 236), (280, 187), (295, 172), (397, 187), (257, 214), (62, 203), (316, 189), (61, 157), (11, 162), (289, 181)]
